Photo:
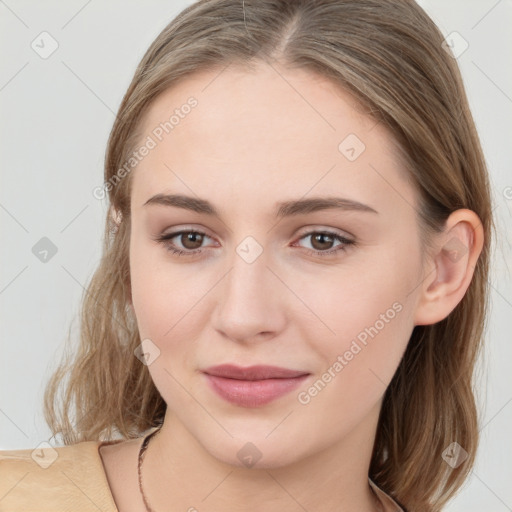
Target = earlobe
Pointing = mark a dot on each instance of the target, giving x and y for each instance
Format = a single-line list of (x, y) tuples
[(453, 265), (116, 216)]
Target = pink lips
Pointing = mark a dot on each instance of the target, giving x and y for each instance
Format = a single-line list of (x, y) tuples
[(254, 385)]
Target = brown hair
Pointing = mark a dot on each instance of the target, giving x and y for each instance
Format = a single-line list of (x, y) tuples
[(388, 54)]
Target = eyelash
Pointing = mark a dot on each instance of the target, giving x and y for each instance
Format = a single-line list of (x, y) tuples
[(164, 239)]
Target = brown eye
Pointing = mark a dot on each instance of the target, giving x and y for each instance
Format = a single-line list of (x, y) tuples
[(186, 242), (191, 240), (321, 241)]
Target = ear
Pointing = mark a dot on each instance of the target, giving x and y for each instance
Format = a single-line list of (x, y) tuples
[(117, 217), (450, 268)]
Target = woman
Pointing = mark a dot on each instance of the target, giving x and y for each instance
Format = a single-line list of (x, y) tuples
[(293, 289)]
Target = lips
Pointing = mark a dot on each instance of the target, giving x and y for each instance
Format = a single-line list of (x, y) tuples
[(259, 372), (252, 386)]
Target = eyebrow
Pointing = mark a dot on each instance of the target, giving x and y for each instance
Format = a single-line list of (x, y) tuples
[(283, 209)]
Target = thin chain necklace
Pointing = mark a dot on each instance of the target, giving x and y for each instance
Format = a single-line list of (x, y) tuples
[(142, 452)]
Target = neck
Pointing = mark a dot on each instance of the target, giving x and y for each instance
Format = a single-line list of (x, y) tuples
[(179, 471)]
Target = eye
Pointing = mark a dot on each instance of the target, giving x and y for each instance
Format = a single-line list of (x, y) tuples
[(324, 240), (191, 241)]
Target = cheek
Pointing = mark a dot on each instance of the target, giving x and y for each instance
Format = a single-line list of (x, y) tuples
[(166, 301), (163, 302), (367, 317), (158, 297), (358, 362), (369, 333), (145, 291)]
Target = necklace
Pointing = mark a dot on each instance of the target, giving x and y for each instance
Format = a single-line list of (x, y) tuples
[(142, 452)]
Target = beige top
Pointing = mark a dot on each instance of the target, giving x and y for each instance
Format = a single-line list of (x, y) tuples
[(71, 478)]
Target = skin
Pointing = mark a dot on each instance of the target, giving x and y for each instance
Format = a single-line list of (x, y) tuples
[(251, 142)]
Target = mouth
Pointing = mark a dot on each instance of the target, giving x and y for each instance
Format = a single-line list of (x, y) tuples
[(252, 386)]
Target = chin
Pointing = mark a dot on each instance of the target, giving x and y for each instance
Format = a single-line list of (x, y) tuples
[(260, 453)]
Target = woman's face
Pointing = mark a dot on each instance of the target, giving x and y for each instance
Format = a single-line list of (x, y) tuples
[(251, 145)]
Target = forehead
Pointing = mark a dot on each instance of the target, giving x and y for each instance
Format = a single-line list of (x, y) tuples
[(291, 130), (244, 101)]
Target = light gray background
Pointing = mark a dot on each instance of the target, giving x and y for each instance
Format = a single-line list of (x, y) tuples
[(55, 119)]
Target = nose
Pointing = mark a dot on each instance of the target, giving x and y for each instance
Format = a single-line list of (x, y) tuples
[(252, 302)]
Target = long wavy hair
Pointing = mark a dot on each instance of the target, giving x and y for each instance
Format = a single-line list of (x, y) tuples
[(390, 56)]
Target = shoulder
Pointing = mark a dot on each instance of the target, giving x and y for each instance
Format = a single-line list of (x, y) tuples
[(54, 478)]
